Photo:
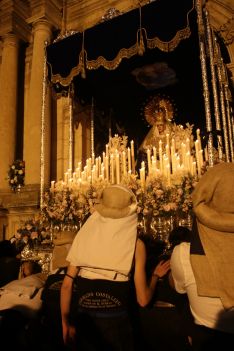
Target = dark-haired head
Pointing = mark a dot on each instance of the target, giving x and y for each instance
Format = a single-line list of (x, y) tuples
[(178, 235)]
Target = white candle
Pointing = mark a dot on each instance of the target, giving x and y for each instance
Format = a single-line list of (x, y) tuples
[(188, 145), (168, 141), (124, 163), (107, 150), (168, 174), (117, 168), (199, 139), (201, 159), (112, 169), (168, 152), (142, 176), (160, 156), (183, 149), (93, 174), (107, 168), (129, 160), (78, 172), (198, 158), (132, 156), (66, 177), (93, 158), (52, 185), (149, 161)]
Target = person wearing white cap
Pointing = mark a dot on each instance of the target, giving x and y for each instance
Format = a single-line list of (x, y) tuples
[(103, 257)]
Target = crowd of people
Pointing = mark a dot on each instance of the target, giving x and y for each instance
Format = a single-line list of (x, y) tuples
[(121, 291)]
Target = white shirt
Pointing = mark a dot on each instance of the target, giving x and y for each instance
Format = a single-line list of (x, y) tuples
[(205, 310)]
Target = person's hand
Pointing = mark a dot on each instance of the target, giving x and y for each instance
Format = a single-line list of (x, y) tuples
[(162, 268)]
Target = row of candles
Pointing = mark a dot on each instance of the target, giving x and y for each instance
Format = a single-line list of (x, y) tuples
[(114, 166)]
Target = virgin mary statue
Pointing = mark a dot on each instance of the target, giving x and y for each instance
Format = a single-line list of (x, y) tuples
[(158, 113)]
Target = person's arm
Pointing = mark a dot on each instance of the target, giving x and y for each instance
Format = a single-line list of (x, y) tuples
[(144, 289), (65, 304)]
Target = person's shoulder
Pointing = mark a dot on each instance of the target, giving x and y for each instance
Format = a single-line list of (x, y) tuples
[(140, 242), (140, 247), (181, 249)]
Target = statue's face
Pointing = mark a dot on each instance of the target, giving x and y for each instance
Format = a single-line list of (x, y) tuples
[(161, 127)]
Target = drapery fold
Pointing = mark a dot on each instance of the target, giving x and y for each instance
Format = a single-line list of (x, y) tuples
[(162, 24)]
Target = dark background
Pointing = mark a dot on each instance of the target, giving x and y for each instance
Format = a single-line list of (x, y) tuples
[(119, 99)]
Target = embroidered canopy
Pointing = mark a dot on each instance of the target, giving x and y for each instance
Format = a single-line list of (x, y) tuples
[(161, 24)]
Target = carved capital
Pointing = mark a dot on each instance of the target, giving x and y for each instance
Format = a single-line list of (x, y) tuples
[(13, 16), (50, 10), (227, 31), (10, 40)]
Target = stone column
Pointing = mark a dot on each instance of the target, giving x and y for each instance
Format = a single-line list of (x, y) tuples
[(230, 66), (32, 122), (8, 104), (62, 137)]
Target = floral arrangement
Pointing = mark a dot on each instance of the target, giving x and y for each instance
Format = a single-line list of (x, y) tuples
[(66, 205), (159, 199), (16, 174)]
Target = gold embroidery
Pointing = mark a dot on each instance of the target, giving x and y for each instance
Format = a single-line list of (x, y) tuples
[(137, 48)]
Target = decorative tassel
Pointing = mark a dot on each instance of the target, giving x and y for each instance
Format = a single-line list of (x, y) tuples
[(141, 46)]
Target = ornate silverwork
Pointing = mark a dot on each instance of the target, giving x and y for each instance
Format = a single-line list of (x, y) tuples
[(111, 13)]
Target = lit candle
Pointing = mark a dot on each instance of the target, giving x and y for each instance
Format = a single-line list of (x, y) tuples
[(129, 160), (194, 172), (107, 150), (112, 169), (142, 176), (93, 174), (149, 161), (132, 156), (167, 138), (168, 152), (85, 173), (160, 156), (69, 172), (78, 172), (201, 159), (52, 185), (124, 163), (188, 145), (117, 168), (199, 139), (154, 167), (168, 174), (66, 177), (93, 158), (107, 168), (183, 153), (198, 158)]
